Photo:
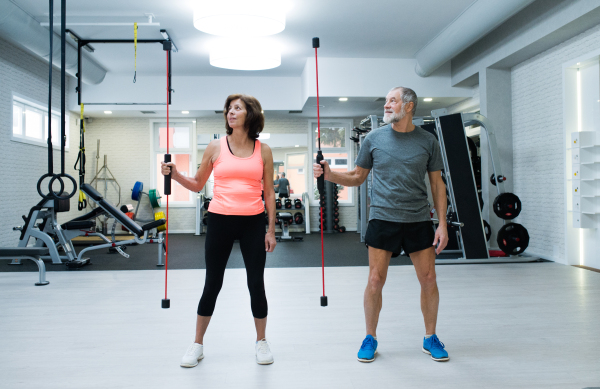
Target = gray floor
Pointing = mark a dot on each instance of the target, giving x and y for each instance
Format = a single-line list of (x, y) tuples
[(505, 326)]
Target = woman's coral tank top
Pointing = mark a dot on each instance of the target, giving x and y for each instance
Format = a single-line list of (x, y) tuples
[(237, 189)]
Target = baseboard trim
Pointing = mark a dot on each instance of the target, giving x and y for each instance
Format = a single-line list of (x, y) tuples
[(587, 268)]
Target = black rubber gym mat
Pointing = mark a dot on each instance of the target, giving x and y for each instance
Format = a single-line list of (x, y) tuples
[(187, 252)]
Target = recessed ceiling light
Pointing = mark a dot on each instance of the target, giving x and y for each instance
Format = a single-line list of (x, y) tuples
[(240, 17), (257, 56), (185, 112), (578, 63), (343, 99), (297, 146), (108, 112), (427, 99)]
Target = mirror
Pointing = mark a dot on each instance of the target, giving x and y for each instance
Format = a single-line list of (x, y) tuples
[(290, 156)]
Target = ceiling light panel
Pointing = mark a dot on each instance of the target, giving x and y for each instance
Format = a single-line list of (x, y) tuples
[(240, 17), (256, 56)]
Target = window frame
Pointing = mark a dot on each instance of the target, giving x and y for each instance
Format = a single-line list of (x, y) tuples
[(26, 103), (154, 150), (349, 149)]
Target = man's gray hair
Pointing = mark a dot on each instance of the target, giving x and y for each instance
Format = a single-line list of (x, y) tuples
[(282, 174), (407, 95)]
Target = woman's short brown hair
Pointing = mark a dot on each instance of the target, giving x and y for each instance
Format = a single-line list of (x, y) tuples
[(255, 121)]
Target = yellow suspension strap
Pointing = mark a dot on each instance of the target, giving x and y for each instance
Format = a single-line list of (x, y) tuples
[(135, 50), (81, 159)]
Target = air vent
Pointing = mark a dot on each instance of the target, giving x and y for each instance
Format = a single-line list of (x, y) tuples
[(295, 112), (382, 99), (218, 111), (147, 112)]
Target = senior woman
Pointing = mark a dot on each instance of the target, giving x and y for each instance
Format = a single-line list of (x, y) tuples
[(240, 162)]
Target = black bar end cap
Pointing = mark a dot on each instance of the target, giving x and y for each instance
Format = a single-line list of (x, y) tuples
[(323, 301), (166, 303), (316, 43)]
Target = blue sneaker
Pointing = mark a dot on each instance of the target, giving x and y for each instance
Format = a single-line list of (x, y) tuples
[(435, 348), (368, 349)]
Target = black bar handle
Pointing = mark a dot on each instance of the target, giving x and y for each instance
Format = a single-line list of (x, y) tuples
[(168, 176), (321, 179)]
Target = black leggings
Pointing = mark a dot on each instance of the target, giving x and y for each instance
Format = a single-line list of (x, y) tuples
[(221, 232)]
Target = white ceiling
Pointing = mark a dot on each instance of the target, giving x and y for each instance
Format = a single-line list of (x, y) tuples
[(347, 28)]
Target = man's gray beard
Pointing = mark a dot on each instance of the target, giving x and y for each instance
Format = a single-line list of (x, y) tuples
[(394, 117)]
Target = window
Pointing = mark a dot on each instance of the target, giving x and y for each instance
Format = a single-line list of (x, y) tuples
[(183, 150), (30, 124), (295, 164), (337, 151)]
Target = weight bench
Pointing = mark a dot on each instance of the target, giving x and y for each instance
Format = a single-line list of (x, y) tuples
[(285, 219), (33, 253), (140, 233)]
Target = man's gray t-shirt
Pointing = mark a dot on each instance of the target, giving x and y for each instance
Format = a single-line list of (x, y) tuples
[(398, 163), (284, 186)]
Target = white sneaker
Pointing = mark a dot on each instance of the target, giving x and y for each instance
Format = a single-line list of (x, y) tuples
[(263, 353), (193, 355)]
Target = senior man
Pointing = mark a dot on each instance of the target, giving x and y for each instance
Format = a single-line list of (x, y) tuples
[(400, 154)]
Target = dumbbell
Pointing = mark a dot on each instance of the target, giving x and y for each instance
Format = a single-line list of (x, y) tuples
[(342, 229), (207, 203), (205, 220), (336, 220), (322, 203), (297, 203), (298, 218), (335, 202), (336, 226), (278, 203), (336, 214), (126, 208), (288, 203)]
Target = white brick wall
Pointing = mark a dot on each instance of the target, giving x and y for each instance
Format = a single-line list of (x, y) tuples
[(539, 143), (26, 75)]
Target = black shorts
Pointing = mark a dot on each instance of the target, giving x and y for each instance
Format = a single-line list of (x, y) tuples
[(395, 237), (286, 195)]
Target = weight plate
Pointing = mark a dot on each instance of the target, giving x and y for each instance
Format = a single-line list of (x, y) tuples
[(137, 190), (154, 198), (158, 216), (513, 239), (507, 206)]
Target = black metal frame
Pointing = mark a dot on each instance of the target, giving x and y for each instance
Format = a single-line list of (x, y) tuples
[(167, 46)]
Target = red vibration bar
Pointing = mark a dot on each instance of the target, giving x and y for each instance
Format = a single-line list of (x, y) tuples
[(319, 137), (167, 229)]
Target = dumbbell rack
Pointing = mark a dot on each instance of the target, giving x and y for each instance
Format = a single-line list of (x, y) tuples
[(330, 204), (294, 227), (201, 213)]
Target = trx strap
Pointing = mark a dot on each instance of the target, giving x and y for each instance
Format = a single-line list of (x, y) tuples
[(135, 51), (166, 303), (321, 179), (81, 159)]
